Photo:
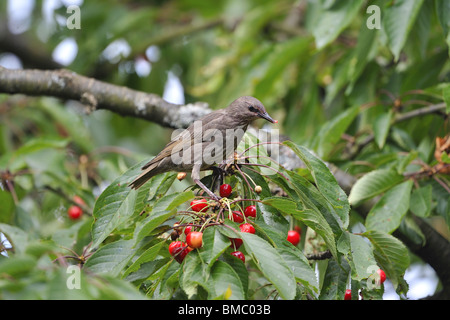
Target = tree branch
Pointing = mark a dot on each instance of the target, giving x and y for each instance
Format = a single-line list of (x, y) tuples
[(100, 95)]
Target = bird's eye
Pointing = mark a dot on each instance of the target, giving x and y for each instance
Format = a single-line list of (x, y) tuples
[(252, 109)]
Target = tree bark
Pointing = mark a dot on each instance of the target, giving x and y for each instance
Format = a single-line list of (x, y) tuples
[(96, 94)]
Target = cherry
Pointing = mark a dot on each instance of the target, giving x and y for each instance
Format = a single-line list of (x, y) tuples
[(75, 212), (199, 205), (188, 230), (250, 211), (175, 244), (382, 275), (293, 237), (225, 190), (194, 239), (236, 243), (239, 255), (238, 217), (179, 250), (247, 227), (348, 294), (179, 253)]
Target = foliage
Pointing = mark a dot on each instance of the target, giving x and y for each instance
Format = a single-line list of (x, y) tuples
[(355, 97)]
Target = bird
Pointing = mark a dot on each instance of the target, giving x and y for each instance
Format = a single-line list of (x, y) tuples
[(207, 142)]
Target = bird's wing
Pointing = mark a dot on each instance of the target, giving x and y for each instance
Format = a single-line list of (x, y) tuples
[(210, 123)]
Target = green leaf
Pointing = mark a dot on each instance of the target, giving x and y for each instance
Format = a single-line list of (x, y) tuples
[(313, 199), (387, 214), (148, 255), (271, 264), (327, 22), (325, 181), (420, 202), (331, 132), (335, 280), (154, 220), (226, 279), (359, 255), (443, 13), (372, 184), (194, 273), (381, 128), (398, 19), (17, 237), (111, 258), (114, 205), (446, 95), (311, 218), (391, 254), (300, 267), (17, 265), (214, 244)]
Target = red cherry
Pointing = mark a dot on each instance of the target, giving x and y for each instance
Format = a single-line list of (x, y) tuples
[(348, 294), (247, 227), (194, 239), (225, 190), (250, 211), (188, 230), (175, 244), (199, 205), (237, 217), (293, 237), (179, 253), (75, 212), (239, 255), (298, 229), (236, 243), (382, 275)]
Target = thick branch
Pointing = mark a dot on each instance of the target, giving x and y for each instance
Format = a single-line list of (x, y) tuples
[(100, 95)]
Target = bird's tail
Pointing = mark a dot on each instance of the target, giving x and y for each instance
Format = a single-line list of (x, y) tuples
[(146, 175)]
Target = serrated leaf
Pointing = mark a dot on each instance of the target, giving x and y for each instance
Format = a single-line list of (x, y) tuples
[(381, 128), (334, 281), (387, 214), (311, 218), (300, 267), (325, 181), (329, 21), (398, 19), (271, 264), (359, 254), (194, 273), (372, 184), (391, 254), (331, 132), (420, 202), (226, 281), (148, 255), (214, 244), (111, 258), (114, 205)]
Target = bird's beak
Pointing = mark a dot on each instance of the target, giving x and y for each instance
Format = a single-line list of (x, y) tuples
[(266, 116)]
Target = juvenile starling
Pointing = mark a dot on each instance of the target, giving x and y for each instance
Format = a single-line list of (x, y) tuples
[(207, 142)]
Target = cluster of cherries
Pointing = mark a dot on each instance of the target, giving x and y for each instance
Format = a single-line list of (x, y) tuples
[(194, 239)]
